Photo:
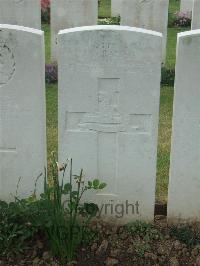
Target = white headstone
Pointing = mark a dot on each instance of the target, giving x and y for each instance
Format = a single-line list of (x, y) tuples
[(186, 5), (108, 112), (22, 110), (147, 14), (196, 15), (116, 8), (21, 12), (68, 14), (184, 182)]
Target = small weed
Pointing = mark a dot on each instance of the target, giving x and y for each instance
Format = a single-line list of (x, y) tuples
[(167, 76), (141, 248), (144, 230), (185, 235), (60, 212), (109, 21), (15, 228), (146, 233)]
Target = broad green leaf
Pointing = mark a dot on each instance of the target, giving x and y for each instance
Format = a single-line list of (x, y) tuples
[(89, 183), (67, 187), (102, 185), (96, 183)]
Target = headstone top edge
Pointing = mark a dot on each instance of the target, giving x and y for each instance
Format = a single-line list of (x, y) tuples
[(21, 28), (189, 33), (110, 27)]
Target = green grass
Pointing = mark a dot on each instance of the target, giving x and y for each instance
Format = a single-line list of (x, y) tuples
[(165, 105), (105, 9), (174, 5), (171, 46), (166, 100), (52, 118)]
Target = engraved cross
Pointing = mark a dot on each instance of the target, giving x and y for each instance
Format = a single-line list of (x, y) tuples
[(107, 122)]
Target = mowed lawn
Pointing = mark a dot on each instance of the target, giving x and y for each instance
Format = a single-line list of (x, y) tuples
[(166, 101)]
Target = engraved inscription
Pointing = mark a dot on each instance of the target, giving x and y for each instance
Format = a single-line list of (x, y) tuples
[(108, 49), (105, 46), (7, 64)]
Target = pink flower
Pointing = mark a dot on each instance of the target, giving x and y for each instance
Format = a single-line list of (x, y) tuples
[(45, 4)]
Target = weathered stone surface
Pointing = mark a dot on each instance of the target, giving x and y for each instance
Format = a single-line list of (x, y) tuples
[(109, 84), (25, 13), (147, 14), (68, 14), (116, 7), (186, 5), (196, 15), (184, 182), (22, 110)]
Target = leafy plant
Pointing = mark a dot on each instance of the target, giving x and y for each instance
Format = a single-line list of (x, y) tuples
[(185, 235), (15, 228), (61, 214), (58, 213), (141, 248), (144, 230), (109, 21), (146, 233), (167, 76), (182, 19)]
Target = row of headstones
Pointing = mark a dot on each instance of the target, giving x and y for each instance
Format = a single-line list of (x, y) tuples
[(109, 92), (151, 15), (139, 13), (116, 5)]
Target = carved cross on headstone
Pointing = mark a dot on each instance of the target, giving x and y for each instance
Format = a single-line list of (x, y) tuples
[(108, 124)]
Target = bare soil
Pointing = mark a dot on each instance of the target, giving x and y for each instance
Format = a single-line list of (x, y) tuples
[(117, 246)]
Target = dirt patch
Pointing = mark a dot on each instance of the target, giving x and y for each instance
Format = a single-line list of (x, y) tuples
[(121, 246)]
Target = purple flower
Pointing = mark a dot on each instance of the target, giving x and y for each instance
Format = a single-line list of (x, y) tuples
[(51, 73)]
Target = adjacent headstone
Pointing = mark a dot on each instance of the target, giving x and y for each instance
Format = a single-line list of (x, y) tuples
[(184, 182), (68, 14), (147, 14), (21, 12), (186, 5), (22, 111), (196, 15), (109, 84), (116, 8)]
